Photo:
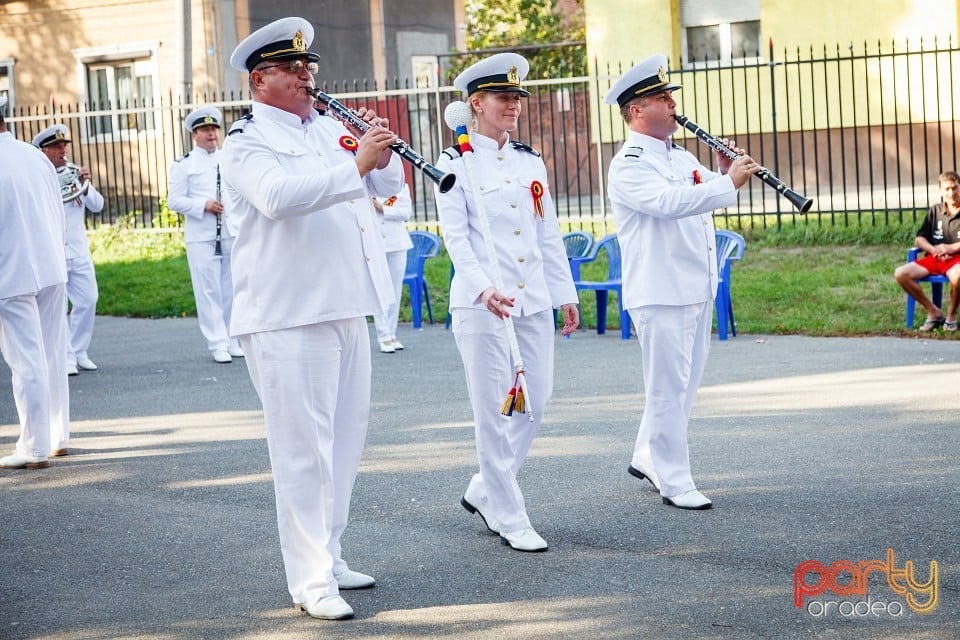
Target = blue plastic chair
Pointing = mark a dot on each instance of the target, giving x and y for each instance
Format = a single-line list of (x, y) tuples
[(425, 245), (730, 247), (936, 288), (613, 282), (578, 244)]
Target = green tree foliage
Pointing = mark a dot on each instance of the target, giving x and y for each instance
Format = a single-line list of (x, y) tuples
[(550, 25)]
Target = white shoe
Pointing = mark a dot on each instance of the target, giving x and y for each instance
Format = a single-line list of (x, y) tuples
[(643, 475), (354, 580), (235, 351), (328, 608), (222, 356), (20, 461), (86, 363), (60, 451), (72, 369), (524, 540), (692, 499), (397, 345), (491, 523), (386, 346)]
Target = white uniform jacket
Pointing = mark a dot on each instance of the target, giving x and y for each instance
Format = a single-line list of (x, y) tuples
[(393, 221), (193, 181), (308, 246), (664, 224), (31, 221), (530, 251), (75, 212)]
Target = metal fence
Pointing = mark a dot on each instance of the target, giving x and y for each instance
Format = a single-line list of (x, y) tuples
[(864, 131)]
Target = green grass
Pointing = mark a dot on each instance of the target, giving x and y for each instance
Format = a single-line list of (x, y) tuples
[(805, 278)]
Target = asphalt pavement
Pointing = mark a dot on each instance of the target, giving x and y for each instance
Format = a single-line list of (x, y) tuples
[(160, 524)]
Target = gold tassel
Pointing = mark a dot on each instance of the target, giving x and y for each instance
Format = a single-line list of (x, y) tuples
[(514, 400), (509, 402), (519, 404)]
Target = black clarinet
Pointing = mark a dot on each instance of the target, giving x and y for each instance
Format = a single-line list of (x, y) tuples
[(217, 250), (443, 180), (800, 201)]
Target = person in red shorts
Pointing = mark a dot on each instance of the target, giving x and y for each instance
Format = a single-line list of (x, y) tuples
[(939, 238)]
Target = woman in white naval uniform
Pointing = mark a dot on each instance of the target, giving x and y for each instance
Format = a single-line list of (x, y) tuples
[(393, 213), (662, 201), (33, 304), (82, 291), (195, 191), (536, 279), (308, 268)]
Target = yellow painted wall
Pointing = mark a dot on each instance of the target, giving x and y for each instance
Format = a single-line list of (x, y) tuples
[(798, 30), (815, 23)]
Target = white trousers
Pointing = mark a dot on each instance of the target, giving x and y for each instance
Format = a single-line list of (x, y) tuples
[(212, 290), (82, 292), (33, 339), (314, 384), (386, 323), (503, 441), (675, 341)]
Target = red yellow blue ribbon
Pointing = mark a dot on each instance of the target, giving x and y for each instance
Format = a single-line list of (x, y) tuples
[(537, 190), (349, 143), (463, 139)]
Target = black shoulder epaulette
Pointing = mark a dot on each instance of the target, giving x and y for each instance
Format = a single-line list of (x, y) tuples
[(183, 157), (638, 151), (520, 146), (241, 122), (452, 152)]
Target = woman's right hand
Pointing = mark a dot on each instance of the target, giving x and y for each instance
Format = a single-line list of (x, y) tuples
[(496, 303)]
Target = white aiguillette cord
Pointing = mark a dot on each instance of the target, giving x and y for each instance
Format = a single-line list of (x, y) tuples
[(457, 115)]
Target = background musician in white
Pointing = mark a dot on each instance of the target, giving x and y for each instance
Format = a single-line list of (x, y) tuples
[(392, 214), (196, 192), (82, 289), (33, 304), (662, 201)]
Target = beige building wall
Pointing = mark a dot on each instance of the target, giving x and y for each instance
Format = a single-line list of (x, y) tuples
[(48, 45)]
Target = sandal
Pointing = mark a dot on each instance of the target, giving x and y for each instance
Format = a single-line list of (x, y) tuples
[(950, 325), (936, 323)]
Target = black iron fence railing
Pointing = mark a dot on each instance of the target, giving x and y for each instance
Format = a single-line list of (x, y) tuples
[(865, 131)]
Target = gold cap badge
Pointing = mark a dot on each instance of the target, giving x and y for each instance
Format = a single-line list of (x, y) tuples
[(513, 76), (298, 42), (662, 74)]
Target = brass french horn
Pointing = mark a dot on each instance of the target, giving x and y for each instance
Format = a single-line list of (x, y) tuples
[(71, 186)]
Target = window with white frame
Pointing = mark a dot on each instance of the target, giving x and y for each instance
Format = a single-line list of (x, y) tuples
[(6, 82), (120, 85), (718, 32)]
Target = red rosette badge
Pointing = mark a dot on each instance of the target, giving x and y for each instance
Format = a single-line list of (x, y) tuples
[(697, 178), (536, 189), (349, 143)]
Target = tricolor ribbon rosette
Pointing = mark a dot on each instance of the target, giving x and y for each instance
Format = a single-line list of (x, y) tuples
[(349, 143), (536, 189)]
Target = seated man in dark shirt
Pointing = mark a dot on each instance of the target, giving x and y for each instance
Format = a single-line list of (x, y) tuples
[(939, 238)]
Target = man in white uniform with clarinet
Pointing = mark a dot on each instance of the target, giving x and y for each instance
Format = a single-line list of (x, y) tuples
[(308, 267), (196, 192), (663, 200)]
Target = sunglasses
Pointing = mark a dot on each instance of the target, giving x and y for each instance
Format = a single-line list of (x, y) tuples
[(294, 66)]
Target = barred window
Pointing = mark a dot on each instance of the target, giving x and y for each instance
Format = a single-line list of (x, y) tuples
[(718, 32)]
